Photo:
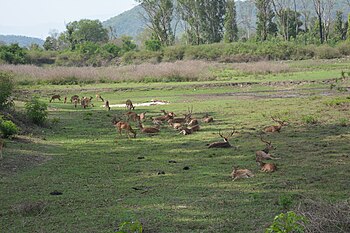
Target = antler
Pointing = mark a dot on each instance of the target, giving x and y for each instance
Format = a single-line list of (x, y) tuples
[(221, 134), (267, 142)]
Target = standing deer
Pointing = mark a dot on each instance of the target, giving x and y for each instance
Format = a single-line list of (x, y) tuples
[(264, 154), (121, 125), (148, 130), (241, 173), (74, 97), (129, 105), (85, 101), (275, 128), (107, 105), (224, 144), (55, 97), (98, 96)]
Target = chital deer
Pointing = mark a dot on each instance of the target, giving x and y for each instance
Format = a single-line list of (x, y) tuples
[(275, 128), (267, 167), (129, 105), (98, 96), (224, 144), (85, 102), (148, 130), (264, 154), (186, 131), (170, 115), (74, 97), (132, 116), (192, 122), (1, 147), (55, 97), (121, 125), (176, 125), (107, 105), (207, 118), (241, 174), (75, 102)]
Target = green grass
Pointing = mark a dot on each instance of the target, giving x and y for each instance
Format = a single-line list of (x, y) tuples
[(105, 183)]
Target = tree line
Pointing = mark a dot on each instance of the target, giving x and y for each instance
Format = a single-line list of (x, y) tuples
[(204, 22)]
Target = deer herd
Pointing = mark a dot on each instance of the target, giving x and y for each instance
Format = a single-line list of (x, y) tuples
[(184, 125)]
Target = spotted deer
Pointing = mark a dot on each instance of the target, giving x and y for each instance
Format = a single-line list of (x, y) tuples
[(265, 153), (122, 125), (207, 118), (267, 167), (55, 97), (275, 128), (224, 144), (148, 130), (129, 105), (186, 131), (241, 173)]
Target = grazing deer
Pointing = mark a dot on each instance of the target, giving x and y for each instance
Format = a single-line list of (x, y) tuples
[(187, 131), (241, 174), (275, 128), (264, 154), (148, 130), (74, 97), (267, 167), (121, 125), (85, 102), (75, 102), (98, 96), (207, 118), (129, 105), (1, 147), (107, 105), (55, 97), (224, 144)]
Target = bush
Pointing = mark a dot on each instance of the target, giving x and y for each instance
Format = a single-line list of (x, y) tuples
[(8, 128), (327, 52), (344, 48), (153, 45), (288, 222), (36, 110), (6, 87)]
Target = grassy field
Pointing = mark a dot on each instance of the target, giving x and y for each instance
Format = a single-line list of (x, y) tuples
[(107, 179)]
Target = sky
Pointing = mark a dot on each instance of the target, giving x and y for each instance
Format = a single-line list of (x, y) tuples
[(37, 18)]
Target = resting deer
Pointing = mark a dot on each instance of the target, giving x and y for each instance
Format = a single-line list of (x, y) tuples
[(55, 97), (1, 147), (176, 125), (207, 118), (142, 116), (224, 144), (170, 115), (121, 125), (129, 105), (133, 116), (107, 105), (192, 122), (264, 154), (148, 130), (267, 167), (275, 128), (241, 174), (187, 118), (186, 131), (98, 96)]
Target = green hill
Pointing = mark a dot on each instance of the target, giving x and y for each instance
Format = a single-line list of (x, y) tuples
[(23, 41)]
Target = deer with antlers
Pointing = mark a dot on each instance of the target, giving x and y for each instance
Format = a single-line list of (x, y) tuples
[(264, 154), (186, 131), (275, 128), (129, 105), (241, 173), (55, 97), (121, 125), (224, 144)]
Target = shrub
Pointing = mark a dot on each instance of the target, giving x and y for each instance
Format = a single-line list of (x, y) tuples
[(36, 110), (130, 227), (6, 87), (327, 52), (8, 128), (344, 48), (153, 45), (288, 222)]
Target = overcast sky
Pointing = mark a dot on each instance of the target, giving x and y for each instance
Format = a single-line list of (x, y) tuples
[(36, 18)]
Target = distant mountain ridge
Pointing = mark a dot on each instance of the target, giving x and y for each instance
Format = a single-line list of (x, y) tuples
[(23, 41)]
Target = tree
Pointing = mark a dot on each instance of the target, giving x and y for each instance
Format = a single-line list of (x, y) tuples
[(348, 31), (292, 23), (85, 30), (319, 9), (265, 15), (159, 14), (13, 54), (247, 13), (231, 29), (339, 27)]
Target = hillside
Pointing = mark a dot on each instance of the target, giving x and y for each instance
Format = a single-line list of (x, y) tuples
[(23, 41)]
